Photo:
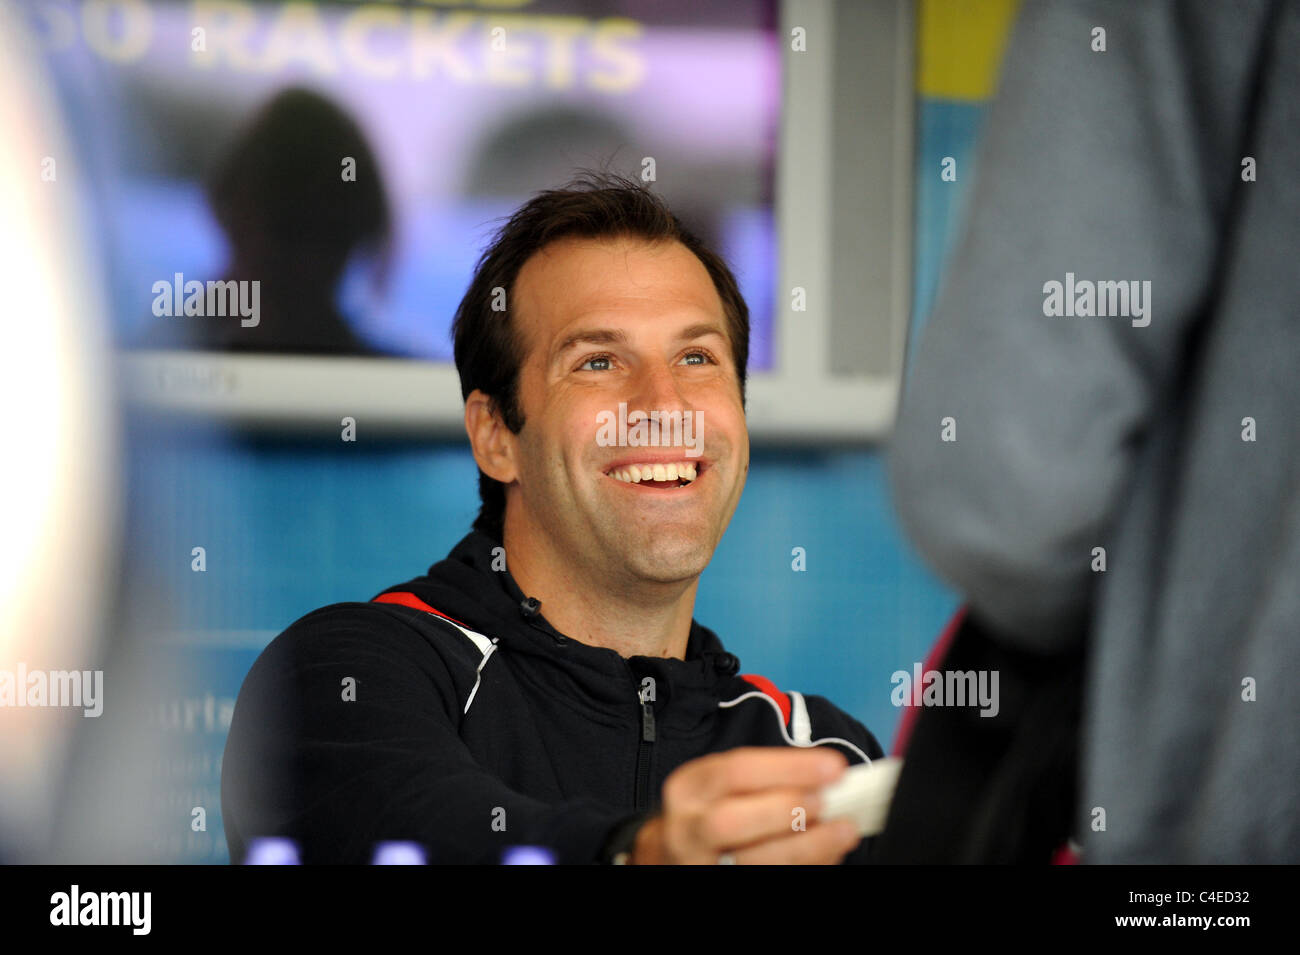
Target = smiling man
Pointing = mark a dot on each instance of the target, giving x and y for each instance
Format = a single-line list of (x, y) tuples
[(546, 686)]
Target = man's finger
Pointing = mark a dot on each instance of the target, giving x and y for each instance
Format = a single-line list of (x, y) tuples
[(743, 820), (753, 769)]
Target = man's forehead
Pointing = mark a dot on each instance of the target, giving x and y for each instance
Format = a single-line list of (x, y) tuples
[(599, 289)]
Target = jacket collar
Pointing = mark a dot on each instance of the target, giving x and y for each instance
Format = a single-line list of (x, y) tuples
[(465, 586)]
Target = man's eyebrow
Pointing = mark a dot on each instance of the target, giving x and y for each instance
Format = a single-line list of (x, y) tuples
[(592, 336), (701, 330), (616, 336)]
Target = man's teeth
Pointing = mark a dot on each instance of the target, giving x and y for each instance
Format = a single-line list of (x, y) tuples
[(636, 473)]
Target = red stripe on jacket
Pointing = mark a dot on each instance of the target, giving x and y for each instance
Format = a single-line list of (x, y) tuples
[(410, 600), (768, 688)]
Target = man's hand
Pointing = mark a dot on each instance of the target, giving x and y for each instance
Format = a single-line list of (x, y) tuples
[(742, 803)]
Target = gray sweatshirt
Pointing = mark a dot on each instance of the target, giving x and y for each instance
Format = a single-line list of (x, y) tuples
[(1155, 416)]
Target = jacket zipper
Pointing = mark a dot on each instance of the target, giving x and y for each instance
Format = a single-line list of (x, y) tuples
[(644, 754)]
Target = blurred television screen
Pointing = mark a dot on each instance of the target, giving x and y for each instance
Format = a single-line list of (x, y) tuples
[(356, 157)]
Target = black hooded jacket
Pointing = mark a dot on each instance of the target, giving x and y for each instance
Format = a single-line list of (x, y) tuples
[(447, 712)]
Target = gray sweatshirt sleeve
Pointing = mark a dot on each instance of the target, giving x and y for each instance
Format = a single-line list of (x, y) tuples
[(1114, 166)]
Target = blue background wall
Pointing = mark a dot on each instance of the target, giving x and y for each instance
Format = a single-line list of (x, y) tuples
[(290, 527)]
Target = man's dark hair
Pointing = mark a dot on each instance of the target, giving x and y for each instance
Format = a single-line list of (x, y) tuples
[(595, 205)]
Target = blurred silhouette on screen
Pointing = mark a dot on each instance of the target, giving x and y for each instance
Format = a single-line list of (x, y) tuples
[(298, 195)]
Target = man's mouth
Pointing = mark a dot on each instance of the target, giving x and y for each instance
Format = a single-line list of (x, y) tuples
[(664, 475)]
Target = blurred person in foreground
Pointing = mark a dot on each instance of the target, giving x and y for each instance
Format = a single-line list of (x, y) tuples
[(1120, 480), (73, 763), (546, 685)]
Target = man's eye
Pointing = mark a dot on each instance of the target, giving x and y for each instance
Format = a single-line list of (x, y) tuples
[(699, 354), (596, 358)]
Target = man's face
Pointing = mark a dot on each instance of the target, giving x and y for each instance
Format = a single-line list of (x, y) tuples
[(623, 321)]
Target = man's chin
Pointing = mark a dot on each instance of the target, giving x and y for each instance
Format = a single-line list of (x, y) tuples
[(667, 562)]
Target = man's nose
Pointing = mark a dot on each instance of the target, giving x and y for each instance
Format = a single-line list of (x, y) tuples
[(657, 388)]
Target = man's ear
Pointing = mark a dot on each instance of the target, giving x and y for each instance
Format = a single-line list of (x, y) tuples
[(492, 442)]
